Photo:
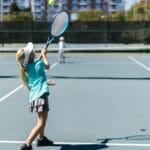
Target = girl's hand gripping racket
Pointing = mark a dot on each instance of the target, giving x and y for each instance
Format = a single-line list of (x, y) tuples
[(57, 27)]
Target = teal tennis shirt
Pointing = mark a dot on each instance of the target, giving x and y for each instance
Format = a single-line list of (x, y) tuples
[(37, 80)]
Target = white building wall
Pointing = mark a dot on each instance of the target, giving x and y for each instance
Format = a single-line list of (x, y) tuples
[(39, 8)]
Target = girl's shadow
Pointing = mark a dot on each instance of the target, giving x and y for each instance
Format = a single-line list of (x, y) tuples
[(82, 146)]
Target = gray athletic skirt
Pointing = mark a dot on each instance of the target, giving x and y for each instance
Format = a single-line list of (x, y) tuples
[(40, 105)]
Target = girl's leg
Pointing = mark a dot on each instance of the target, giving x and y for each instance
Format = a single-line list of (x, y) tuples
[(39, 128), (42, 119)]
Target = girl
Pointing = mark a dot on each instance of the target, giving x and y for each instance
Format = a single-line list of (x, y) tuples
[(33, 77)]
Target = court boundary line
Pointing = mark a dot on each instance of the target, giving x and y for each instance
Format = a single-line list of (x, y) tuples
[(20, 87), (139, 63), (83, 143), (10, 93)]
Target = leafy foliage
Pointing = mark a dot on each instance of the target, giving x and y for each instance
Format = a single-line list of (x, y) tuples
[(91, 15), (14, 7), (139, 11), (16, 14), (22, 16)]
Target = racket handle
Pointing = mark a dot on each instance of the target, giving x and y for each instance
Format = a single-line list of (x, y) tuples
[(49, 42), (46, 46)]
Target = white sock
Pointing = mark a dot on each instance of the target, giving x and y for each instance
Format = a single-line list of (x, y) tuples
[(28, 145), (41, 138)]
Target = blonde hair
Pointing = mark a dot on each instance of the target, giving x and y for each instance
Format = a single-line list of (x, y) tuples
[(23, 73)]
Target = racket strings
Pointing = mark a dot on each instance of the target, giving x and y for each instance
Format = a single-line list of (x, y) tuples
[(59, 24)]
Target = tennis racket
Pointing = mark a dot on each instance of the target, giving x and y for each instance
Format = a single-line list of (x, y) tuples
[(58, 26)]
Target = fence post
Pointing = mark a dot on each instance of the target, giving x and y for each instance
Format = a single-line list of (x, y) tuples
[(2, 34)]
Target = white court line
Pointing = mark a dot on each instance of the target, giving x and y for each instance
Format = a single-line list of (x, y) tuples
[(127, 145), (10, 93), (53, 65), (80, 143), (139, 63), (19, 87), (98, 63)]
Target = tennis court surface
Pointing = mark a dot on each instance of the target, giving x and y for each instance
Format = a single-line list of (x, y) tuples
[(100, 101)]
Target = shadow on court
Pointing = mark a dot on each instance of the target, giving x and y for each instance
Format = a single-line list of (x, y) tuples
[(142, 137), (8, 76), (102, 144), (100, 78), (82, 147)]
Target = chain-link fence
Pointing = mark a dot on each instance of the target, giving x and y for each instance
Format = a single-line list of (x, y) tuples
[(103, 31), (78, 32)]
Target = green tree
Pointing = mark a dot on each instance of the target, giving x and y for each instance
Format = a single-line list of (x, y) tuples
[(14, 7), (16, 14), (139, 12), (94, 15), (22, 16), (118, 16), (91, 15)]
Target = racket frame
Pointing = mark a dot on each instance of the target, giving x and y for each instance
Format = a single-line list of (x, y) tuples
[(52, 37)]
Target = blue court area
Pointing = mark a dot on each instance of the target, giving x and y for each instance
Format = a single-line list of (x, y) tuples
[(100, 101)]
